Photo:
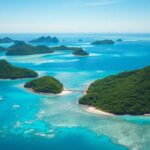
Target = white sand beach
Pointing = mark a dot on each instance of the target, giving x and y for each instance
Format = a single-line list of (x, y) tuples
[(97, 111)]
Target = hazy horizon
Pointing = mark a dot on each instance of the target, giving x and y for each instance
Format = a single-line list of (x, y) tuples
[(80, 16)]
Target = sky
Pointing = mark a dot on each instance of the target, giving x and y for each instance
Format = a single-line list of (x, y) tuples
[(75, 16)]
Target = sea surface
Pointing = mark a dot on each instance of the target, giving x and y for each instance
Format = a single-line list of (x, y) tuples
[(30, 121)]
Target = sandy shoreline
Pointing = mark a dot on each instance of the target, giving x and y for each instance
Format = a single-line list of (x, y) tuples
[(94, 110), (64, 92)]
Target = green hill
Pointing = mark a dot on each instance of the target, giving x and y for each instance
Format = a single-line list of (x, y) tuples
[(75, 50), (125, 93), (80, 52), (7, 71), (43, 39), (45, 84), (22, 48), (104, 42)]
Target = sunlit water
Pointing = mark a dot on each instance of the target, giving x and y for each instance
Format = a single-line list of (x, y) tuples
[(58, 122)]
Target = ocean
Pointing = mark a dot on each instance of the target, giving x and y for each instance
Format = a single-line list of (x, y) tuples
[(57, 122)]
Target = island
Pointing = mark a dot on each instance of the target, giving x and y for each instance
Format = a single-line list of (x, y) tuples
[(8, 71), (22, 48), (6, 40), (75, 50), (125, 93), (103, 42), (46, 84), (44, 39), (80, 40), (119, 40), (2, 49), (80, 52)]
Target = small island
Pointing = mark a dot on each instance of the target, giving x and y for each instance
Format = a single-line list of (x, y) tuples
[(119, 40), (44, 39), (46, 84), (6, 40), (75, 50), (103, 42), (125, 93), (8, 71), (80, 52), (21, 48)]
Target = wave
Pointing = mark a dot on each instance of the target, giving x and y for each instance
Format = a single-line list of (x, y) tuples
[(95, 54), (54, 61)]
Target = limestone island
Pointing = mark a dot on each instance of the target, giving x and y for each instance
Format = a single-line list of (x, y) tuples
[(103, 42), (6, 40), (46, 84), (22, 48), (8, 71), (44, 39), (125, 93)]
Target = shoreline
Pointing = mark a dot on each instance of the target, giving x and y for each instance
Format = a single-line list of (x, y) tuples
[(94, 110), (64, 92)]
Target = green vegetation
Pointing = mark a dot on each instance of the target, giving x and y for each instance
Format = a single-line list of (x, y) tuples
[(6, 40), (125, 93), (103, 42), (21, 48), (45, 40), (45, 84), (119, 40), (7, 71), (75, 50), (80, 52)]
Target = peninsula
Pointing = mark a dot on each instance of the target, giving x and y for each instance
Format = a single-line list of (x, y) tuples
[(125, 93)]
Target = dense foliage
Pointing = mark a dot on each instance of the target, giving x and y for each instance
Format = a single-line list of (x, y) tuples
[(45, 40), (80, 52), (7, 71), (125, 93), (21, 48), (45, 84), (75, 50), (27, 49), (103, 42)]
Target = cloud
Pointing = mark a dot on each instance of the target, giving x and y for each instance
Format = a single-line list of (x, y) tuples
[(101, 2)]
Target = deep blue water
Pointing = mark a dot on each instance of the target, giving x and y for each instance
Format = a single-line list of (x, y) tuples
[(54, 122)]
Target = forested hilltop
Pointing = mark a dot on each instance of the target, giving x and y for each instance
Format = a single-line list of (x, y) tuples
[(125, 93)]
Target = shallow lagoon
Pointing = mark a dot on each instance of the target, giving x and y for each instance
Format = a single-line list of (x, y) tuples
[(58, 122)]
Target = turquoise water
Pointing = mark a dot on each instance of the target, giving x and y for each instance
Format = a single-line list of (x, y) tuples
[(33, 121)]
